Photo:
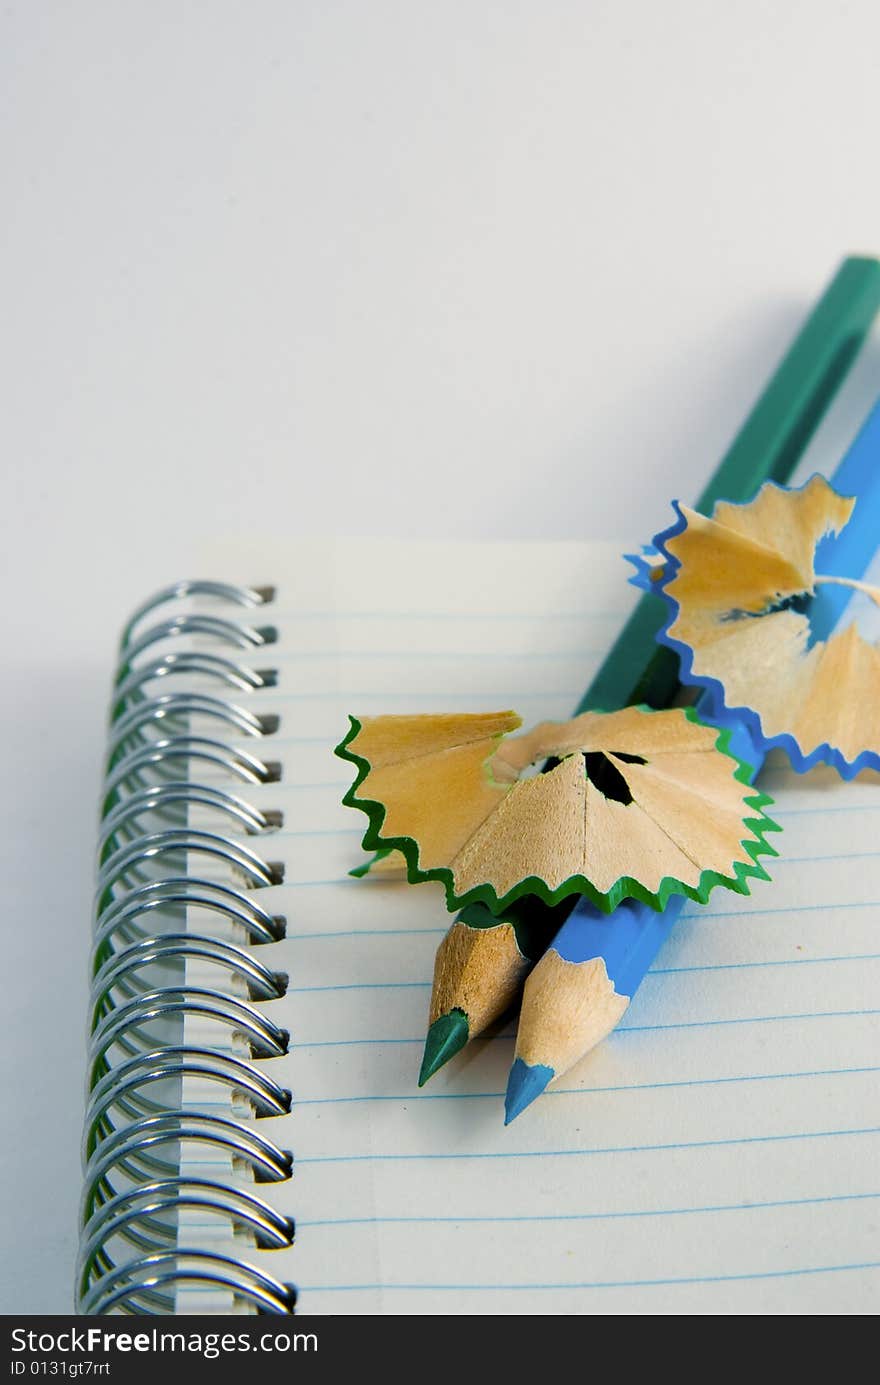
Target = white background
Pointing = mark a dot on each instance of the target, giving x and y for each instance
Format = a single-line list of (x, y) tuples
[(471, 267)]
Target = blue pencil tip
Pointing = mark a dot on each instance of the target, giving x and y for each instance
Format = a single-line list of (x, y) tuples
[(523, 1085)]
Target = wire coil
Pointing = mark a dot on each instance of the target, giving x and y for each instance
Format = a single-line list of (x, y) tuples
[(172, 799)]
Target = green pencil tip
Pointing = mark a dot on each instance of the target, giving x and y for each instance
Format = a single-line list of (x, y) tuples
[(447, 1036)]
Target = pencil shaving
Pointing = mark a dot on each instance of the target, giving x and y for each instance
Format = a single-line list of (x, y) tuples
[(734, 582), (641, 804)]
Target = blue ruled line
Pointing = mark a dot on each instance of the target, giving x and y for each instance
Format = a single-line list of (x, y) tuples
[(783, 909), (584, 1153), (276, 835), (591, 1216), (838, 856), (491, 616), (503, 699), (656, 971), (362, 986), (420, 1096), (573, 656), (363, 933), (589, 1284), (783, 962), (707, 914), (621, 1028)]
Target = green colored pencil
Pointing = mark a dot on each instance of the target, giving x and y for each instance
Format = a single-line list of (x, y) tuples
[(483, 961)]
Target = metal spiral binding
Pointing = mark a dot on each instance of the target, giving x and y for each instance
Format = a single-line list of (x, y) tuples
[(136, 1188)]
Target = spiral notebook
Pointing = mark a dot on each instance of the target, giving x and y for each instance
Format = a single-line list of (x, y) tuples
[(256, 1140)]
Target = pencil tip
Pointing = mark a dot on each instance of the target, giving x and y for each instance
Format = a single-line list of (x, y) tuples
[(523, 1085), (447, 1035)]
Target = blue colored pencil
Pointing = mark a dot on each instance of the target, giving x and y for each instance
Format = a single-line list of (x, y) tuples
[(583, 984), (483, 960)]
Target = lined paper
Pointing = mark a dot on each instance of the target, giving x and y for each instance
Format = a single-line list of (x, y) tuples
[(716, 1155)]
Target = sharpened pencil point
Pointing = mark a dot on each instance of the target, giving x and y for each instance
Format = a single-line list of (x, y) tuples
[(523, 1085), (447, 1036)]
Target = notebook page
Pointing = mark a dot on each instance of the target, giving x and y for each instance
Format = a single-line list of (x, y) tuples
[(717, 1155)]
